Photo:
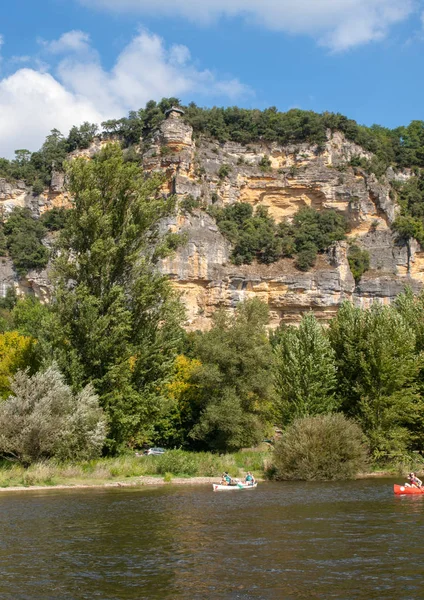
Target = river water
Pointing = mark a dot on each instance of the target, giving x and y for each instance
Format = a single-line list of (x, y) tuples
[(352, 540)]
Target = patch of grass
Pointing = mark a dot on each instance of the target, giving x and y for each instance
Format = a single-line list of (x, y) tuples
[(174, 463)]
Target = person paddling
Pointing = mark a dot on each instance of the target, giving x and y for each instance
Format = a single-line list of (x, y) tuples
[(414, 481), (226, 479), (249, 479)]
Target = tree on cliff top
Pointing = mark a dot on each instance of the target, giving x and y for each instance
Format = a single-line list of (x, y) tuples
[(118, 323)]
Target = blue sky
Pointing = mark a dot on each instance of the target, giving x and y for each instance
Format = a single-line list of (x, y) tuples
[(64, 62)]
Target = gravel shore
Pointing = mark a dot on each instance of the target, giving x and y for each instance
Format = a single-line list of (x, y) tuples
[(139, 482)]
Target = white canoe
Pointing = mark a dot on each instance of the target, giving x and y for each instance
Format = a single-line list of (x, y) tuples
[(227, 488)]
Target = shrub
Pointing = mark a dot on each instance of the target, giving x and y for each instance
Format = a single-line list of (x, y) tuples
[(44, 419), (320, 448), (55, 219), (38, 187), (306, 257), (177, 462), (188, 204), (359, 261), (265, 163), (224, 171)]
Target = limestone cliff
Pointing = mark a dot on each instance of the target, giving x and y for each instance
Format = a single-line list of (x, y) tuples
[(282, 178), (294, 176)]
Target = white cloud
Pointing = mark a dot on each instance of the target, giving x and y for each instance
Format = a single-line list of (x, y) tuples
[(337, 24), (71, 41), (33, 101), (31, 104)]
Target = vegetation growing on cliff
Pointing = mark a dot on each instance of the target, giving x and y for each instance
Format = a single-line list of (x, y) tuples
[(22, 237), (256, 235), (410, 195), (401, 147), (359, 261)]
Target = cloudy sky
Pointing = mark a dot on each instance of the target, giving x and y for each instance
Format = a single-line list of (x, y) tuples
[(63, 62)]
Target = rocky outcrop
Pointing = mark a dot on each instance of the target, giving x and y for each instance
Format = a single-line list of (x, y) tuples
[(282, 178)]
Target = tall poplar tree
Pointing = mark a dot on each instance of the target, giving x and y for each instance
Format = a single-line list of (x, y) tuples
[(118, 323), (305, 372)]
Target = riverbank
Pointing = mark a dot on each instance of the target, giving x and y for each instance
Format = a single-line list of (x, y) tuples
[(175, 466), (137, 483), (145, 481)]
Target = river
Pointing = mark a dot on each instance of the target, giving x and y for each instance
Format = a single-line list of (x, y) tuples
[(352, 540)]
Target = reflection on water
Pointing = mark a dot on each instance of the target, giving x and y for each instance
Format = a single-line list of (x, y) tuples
[(281, 541)]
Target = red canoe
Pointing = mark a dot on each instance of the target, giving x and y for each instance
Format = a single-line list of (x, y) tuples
[(401, 489)]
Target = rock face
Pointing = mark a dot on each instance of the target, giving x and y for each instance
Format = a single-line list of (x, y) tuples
[(282, 178), (293, 177)]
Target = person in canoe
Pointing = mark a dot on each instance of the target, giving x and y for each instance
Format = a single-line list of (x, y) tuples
[(249, 479), (413, 481), (226, 479)]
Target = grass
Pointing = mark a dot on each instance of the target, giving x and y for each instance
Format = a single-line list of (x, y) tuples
[(174, 463)]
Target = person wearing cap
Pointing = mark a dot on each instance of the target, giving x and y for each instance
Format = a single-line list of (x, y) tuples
[(413, 481), (249, 479)]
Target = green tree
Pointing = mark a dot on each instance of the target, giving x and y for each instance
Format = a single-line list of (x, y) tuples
[(235, 379), (305, 372), (24, 240), (81, 137), (377, 369), (42, 419), (118, 323)]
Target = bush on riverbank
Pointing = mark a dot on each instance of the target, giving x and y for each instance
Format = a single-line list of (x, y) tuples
[(320, 448), (103, 470), (44, 419)]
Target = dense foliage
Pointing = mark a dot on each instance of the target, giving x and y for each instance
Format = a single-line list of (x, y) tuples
[(117, 321), (115, 324), (305, 371), (323, 448), (234, 379), (410, 223), (16, 352), (256, 235), (23, 241), (359, 261), (42, 418), (377, 371)]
